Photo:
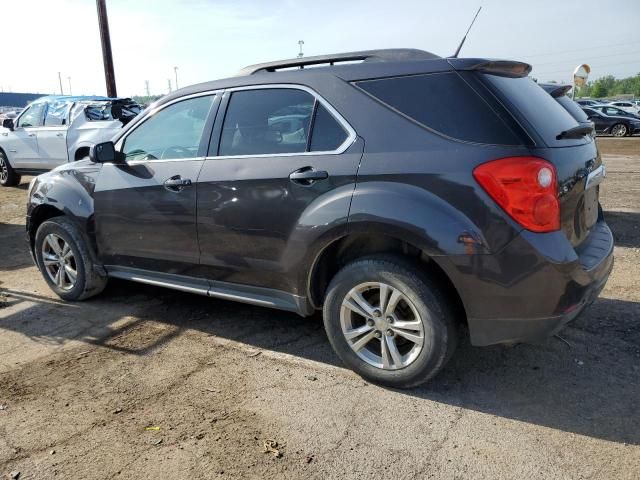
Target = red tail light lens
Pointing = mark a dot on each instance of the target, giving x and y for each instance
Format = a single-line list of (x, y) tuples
[(526, 188)]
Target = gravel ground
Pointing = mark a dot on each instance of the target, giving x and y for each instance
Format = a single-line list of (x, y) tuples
[(142, 382)]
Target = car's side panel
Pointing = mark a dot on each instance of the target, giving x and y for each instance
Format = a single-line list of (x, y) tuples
[(70, 191), (52, 146), (255, 225), (21, 147)]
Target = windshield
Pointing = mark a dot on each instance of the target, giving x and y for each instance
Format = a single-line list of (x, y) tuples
[(536, 107)]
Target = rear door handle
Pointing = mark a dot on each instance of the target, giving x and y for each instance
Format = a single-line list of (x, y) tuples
[(307, 175), (177, 183)]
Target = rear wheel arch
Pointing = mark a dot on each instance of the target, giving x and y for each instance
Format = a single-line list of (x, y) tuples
[(354, 246)]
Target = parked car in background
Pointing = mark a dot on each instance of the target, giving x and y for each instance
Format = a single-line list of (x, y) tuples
[(627, 106), (408, 196), (618, 126), (586, 102), (57, 129), (612, 111)]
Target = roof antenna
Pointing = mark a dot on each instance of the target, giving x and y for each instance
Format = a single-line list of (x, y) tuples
[(455, 55)]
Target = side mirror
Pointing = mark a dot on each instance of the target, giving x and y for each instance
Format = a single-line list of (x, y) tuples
[(8, 123), (105, 153)]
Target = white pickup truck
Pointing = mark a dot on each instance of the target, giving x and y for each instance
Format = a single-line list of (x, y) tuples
[(58, 129)]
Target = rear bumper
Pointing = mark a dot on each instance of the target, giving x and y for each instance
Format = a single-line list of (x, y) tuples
[(532, 288)]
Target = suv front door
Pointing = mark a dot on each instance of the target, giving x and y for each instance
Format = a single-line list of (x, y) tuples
[(277, 154), (145, 208), (21, 144)]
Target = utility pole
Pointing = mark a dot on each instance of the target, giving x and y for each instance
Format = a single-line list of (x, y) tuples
[(169, 83), (107, 58), (60, 81), (146, 86), (69, 80), (300, 43), (175, 69)]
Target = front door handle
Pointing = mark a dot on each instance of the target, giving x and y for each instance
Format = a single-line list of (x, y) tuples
[(307, 175), (31, 134), (177, 183)]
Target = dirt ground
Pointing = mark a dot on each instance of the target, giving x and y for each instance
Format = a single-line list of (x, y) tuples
[(143, 382)]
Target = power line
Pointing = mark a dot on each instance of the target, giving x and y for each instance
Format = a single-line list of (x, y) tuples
[(582, 49), (589, 58)]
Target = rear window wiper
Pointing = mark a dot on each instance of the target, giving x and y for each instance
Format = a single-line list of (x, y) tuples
[(575, 132)]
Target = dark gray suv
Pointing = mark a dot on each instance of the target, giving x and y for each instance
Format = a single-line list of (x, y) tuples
[(408, 196)]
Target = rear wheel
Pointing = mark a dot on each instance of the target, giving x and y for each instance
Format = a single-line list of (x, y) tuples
[(619, 130), (8, 176), (389, 322), (64, 260)]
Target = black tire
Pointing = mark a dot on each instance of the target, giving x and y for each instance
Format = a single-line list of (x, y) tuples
[(88, 281), (435, 312), (619, 130), (8, 176)]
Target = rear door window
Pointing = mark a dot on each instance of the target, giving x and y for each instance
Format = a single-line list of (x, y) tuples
[(536, 107), (267, 122), (327, 134), (445, 103), (57, 113)]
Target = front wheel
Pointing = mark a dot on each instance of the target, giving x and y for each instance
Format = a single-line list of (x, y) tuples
[(64, 260), (619, 130), (8, 176), (389, 322)]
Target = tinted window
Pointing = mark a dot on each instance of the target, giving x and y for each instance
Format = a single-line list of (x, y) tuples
[(537, 107), (172, 133), (32, 116), (268, 121), (327, 133), (573, 108), (57, 114), (445, 103)]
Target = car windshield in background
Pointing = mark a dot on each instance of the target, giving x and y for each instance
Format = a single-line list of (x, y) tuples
[(535, 106)]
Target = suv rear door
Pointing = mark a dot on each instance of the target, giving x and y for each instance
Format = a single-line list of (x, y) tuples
[(145, 208), (276, 153)]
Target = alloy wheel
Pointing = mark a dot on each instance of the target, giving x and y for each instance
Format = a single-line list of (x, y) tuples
[(619, 130), (59, 261), (382, 326)]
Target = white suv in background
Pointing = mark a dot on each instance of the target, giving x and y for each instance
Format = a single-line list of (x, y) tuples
[(57, 129), (630, 107)]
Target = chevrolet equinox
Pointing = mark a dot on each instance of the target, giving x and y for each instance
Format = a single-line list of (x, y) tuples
[(409, 197)]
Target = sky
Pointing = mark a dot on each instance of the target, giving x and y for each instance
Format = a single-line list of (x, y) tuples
[(210, 39)]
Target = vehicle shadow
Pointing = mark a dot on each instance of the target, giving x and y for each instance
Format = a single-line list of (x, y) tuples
[(588, 387), (625, 227), (15, 254)]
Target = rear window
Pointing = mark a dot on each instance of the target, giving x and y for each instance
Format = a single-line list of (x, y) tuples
[(445, 103), (573, 108), (548, 117)]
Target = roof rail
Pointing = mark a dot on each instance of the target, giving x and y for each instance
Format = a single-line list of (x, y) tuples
[(385, 55)]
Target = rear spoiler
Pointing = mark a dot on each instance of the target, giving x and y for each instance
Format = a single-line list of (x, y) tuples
[(555, 90), (503, 68)]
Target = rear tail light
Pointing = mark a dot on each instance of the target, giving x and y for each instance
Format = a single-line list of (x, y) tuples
[(526, 188)]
